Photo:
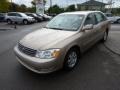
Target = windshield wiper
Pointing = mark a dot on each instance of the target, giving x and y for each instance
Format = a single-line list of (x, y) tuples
[(53, 28), (57, 28)]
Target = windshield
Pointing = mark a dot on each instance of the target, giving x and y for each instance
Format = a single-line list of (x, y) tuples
[(70, 22)]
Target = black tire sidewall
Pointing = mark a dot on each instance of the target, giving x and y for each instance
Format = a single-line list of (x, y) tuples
[(103, 40), (106, 36), (9, 21), (66, 66), (25, 21)]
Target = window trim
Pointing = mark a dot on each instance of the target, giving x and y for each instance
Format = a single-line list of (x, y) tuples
[(93, 14)]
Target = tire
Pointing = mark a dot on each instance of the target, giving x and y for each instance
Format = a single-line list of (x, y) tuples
[(25, 22), (105, 36), (118, 21), (9, 21), (71, 59)]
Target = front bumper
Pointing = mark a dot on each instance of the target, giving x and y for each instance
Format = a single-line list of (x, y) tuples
[(31, 20), (35, 64)]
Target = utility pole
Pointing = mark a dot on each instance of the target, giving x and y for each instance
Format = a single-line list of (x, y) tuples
[(76, 5), (50, 7), (11, 6), (12, 9), (110, 2), (50, 3)]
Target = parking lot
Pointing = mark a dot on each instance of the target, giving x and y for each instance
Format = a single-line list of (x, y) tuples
[(99, 68)]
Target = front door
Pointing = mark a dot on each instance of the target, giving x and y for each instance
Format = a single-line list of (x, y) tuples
[(88, 36)]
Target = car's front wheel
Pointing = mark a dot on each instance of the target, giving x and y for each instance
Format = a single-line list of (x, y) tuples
[(9, 21), (71, 59), (25, 22)]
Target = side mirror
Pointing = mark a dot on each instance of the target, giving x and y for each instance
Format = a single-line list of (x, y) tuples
[(88, 27)]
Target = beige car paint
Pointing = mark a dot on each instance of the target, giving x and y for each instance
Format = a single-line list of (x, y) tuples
[(64, 40)]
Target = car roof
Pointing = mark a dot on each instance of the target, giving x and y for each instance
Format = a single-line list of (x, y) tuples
[(14, 12), (81, 12)]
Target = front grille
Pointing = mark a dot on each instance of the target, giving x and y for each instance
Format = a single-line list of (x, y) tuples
[(26, 50)]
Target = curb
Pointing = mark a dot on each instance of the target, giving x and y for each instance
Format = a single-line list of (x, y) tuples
[(111, 50), (7, 29)]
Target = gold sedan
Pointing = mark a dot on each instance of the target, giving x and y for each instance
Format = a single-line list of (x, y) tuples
[(62, 41)]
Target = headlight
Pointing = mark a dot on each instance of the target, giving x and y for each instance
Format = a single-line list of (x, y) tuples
[(30, 19), (48, 54)]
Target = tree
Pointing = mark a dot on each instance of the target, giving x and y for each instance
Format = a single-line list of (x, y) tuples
[(33, 3), (115, 11), (4, 6), (13, 7), (55, 9), (23, 8), (71, 8)]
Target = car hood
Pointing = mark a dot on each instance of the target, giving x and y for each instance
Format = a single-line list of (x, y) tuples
[(45, 38)]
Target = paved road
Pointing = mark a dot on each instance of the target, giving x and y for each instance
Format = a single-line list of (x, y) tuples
[(99, 69), (115, 27)]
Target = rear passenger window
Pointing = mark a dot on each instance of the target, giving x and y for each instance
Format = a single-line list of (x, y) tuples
[(100, 17), (11, 14)]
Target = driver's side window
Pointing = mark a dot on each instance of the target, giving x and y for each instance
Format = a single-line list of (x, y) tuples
[(18, 15), (90, 19)]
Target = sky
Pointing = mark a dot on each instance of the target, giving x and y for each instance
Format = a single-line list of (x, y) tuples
[(62, 3)]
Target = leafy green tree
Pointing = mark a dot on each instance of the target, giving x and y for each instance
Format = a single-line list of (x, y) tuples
[(23, 8), (14, 7), (4, 6), (115, 11), (118, 11), (55, 9), (71, 8)]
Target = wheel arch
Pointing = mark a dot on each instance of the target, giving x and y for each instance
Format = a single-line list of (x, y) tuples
[(74, 47), (25, 19), (77, 47)]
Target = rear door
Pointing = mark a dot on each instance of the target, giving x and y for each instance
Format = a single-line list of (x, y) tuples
[(19, 17), (12, 16), (101, 25)]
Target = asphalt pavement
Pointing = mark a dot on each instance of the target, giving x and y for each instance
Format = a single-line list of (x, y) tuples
[(113, 42), (99, 68)]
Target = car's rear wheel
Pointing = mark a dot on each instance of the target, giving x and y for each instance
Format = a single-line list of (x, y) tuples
[(9, 21), (105, 36), (71, 59), (25, 22)]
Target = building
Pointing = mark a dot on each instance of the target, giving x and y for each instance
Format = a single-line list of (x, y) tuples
[(92, 5)]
